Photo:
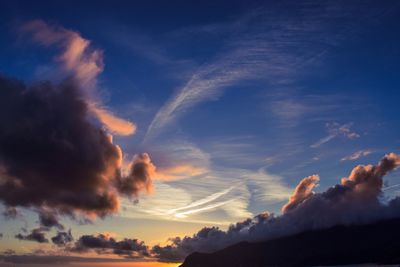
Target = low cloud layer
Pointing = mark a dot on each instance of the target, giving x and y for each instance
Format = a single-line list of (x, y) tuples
[(105, 244), (62, 238), (354, 201), (37, 235), (53, 158)]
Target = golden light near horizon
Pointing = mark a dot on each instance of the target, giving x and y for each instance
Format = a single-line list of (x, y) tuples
[(199, 134)]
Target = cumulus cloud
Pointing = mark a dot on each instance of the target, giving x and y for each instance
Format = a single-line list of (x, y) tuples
[(52, 157), (303, 191), (36, 235), (356, 155), (104, 243), (81, 61), (334, 130)]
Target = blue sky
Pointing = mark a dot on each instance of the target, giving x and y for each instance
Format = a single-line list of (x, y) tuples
[(248, 98)]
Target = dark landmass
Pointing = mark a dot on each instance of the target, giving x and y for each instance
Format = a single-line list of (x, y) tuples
[(356, 244)]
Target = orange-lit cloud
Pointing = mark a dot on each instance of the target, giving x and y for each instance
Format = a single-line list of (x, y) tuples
[(84, 63), (112, 122), (179, 172), (303, 191)]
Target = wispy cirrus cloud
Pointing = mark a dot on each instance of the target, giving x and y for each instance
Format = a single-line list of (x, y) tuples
[(335, 130), (270, 45), (357, 155), (203, 203)]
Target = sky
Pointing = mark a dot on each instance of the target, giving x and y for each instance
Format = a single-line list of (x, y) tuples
[(225, 105)]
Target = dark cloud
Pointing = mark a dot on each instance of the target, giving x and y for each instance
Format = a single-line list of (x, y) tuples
[(1, 235), (62, 238), (10, 212), (53, 157), (49, 219), (129, 248), (139, 179), (36, 235), (354, 201)]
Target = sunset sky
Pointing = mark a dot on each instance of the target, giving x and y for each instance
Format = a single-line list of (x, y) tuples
[(225, 105)]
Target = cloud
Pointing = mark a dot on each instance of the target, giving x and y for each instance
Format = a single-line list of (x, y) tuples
[(10, 213), (203, 85), (179, 172), (51, 260), (62, 238), (114, 124), (195, 198), (188, 209), (354, 201), (49, 219), (77, 56), (335, 130), (36, 235), (268, 45), (139, 177), (303, 191), (52, 157), (81, 61), (356, 155), (103, 243)]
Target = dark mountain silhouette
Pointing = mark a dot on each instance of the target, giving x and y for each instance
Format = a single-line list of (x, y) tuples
[(372, 243)]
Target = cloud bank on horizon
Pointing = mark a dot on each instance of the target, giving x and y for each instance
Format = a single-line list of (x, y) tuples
[(355, 200)]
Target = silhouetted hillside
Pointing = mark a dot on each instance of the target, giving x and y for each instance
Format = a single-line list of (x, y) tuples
[(372, 243)]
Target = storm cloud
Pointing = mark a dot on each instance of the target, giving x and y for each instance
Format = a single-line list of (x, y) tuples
[(54, 157)]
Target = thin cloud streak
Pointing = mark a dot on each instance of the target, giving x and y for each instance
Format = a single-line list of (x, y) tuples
[(357, 155), (335, 130), (199, 210), (203, 201)]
